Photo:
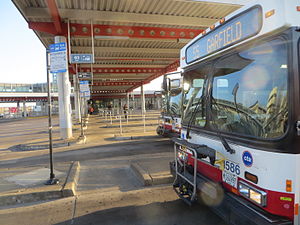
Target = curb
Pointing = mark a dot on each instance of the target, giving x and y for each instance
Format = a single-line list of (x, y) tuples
[(121, 138), (129, 125), (158, 179), (8, 200), (150, 180), (33, 147), (70, 186), (141, 174), (35, 194)]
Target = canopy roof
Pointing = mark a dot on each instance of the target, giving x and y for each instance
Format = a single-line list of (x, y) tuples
[(135, 41)]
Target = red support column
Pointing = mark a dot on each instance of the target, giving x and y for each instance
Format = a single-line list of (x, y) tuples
[(55, 16)]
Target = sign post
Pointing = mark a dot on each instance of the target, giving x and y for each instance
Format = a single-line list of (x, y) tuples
[(84, 94), (59, 65), (52, 179)]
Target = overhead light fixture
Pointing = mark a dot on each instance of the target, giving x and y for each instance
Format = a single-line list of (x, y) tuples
[(112, 37)]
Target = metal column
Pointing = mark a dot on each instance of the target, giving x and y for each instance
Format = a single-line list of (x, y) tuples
[(63, 83), (143, 100), (19, 108), (127, 95), (76, 98), (24, 109)]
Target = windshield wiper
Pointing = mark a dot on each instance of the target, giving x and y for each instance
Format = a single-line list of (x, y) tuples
[(223, 140), (189, 126)]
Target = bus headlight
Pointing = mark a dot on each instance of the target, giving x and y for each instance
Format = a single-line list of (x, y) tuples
[(253, 194)]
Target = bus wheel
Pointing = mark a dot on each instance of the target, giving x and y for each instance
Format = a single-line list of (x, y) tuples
[(159, 131)]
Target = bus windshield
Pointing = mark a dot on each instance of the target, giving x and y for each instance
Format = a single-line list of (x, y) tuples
[(249, 91), (175, 102)]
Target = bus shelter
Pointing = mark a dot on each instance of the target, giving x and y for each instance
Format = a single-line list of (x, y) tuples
[(117, 45)]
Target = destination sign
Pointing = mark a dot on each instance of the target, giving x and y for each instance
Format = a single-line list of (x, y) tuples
[(235, 30)]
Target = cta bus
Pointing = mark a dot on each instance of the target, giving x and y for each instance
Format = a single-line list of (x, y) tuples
[(239, 149), (170, 119)]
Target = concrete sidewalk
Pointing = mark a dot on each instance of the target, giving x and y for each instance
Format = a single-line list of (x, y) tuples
[(37, 137), (26, 184)]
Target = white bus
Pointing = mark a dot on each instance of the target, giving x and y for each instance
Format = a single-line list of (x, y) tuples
[(170, 119), (239, 149)]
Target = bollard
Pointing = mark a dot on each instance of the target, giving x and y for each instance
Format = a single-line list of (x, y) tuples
[(120, 116)]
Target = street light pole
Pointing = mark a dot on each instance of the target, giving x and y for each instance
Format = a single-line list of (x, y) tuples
[(52, 179)]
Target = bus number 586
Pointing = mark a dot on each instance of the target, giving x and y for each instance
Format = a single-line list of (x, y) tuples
[(232, 167)]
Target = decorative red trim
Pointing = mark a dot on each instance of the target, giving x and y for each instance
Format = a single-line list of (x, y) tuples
[(134, 31), (55, 16), (122, 70), (119, 96), (170, 68), (116, 83), (110, 30), (26, 99)]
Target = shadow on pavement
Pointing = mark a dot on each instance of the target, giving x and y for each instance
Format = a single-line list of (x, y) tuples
[(166, 213), (97, 152)]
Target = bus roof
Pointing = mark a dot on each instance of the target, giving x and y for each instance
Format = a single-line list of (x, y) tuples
[(249, 22)]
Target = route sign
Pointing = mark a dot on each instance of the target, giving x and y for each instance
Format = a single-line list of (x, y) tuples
[(81, 58), (58, 57), (85, 94), (84, 75), (84, 86)]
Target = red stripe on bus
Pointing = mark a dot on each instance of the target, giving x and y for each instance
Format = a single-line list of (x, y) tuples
[(278, 203)]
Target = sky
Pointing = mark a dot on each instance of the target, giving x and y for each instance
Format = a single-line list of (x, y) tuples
[(22, 55)]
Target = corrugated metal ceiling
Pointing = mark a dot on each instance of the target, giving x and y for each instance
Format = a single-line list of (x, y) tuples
[(139, 52)]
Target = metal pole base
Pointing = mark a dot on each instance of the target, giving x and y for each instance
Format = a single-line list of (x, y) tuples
[(52, 181)]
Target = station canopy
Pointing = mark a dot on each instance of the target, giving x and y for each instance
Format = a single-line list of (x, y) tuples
[(135, 41)]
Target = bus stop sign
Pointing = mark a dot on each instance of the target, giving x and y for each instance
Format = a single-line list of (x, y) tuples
[(58, 58)]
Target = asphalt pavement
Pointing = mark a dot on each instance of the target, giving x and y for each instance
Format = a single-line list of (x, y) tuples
[(120, 180)]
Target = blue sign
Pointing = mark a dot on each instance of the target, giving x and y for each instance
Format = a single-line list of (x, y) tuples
[(247, 158), (233, 31), (58, 47), (84, 82), (84, 86), (81, 58), (58, 57), (84, 75)]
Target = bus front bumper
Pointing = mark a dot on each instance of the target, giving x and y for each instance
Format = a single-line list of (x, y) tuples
[(235, 210)]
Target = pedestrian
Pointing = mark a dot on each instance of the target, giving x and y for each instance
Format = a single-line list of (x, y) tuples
[(91, 110), (125, 108)]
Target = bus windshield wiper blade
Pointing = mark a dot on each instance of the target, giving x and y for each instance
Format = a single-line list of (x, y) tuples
[(223, 140)]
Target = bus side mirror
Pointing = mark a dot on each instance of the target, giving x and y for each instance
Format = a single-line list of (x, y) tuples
[(175, 84)]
